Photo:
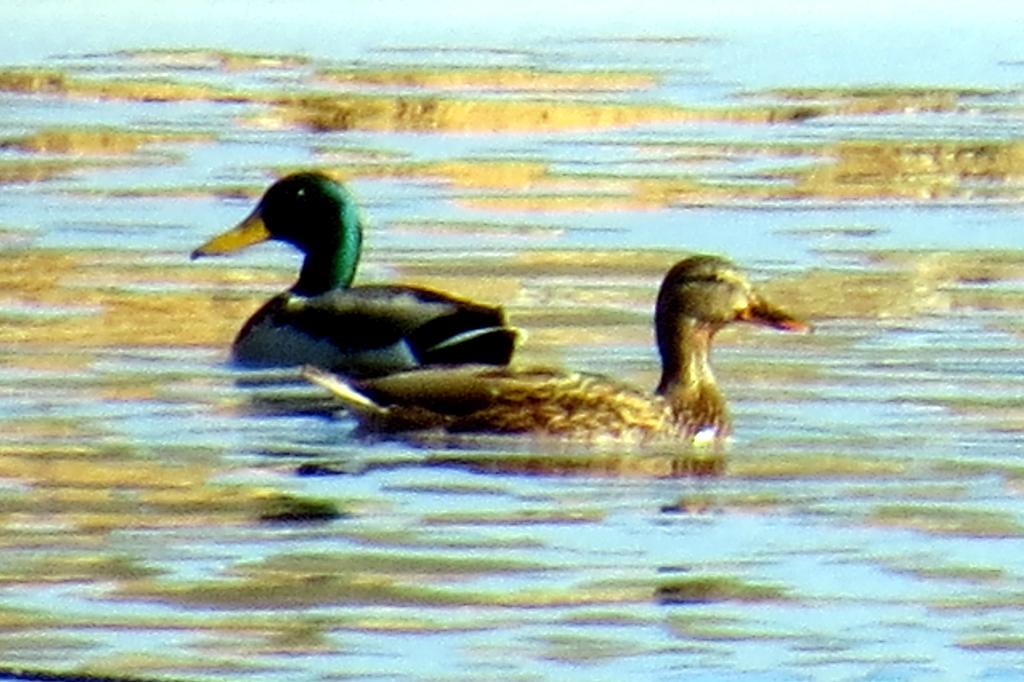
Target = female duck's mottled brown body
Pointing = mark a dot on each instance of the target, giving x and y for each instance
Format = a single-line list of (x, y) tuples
[(699, 296)]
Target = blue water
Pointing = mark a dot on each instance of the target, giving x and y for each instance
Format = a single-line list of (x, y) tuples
[(890, 388)]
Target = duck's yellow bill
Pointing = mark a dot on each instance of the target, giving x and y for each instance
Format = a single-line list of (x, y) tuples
[(250, 231)]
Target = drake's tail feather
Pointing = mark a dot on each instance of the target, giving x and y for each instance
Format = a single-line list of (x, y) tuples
[(488, 346), (467, 335)]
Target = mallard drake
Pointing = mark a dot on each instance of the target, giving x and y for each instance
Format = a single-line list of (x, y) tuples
[(698, 296), (324, 321)]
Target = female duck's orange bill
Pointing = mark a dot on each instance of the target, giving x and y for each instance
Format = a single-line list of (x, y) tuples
[(760, 311)]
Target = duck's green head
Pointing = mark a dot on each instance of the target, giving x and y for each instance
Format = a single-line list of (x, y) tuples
[(315, 214)]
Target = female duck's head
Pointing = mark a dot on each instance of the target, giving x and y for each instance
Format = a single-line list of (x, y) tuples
[(313, 213), (699, 296), (711, 291)]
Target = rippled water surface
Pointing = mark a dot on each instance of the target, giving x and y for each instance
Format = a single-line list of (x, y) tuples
[(867, 521)]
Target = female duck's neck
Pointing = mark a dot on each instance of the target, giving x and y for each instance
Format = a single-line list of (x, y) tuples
[(332, 264), (687, 381)]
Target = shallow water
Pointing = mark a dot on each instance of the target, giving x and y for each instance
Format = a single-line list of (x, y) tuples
[(867, 522)]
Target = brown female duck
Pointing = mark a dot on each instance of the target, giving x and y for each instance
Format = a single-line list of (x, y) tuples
[(698, 296)]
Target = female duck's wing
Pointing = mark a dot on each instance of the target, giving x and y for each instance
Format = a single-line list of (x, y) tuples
[(502, 400), (421, 399), (375, 330), (448, 391)]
